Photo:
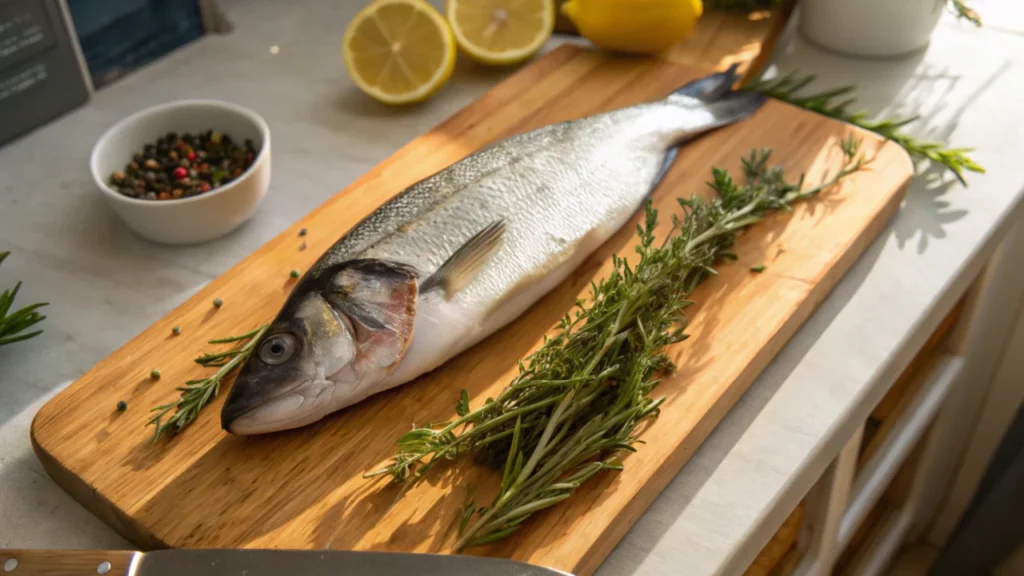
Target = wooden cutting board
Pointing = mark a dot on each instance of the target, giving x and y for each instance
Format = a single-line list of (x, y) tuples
[(303, 488)]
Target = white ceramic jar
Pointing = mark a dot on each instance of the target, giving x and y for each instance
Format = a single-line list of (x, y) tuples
[(872, 28)]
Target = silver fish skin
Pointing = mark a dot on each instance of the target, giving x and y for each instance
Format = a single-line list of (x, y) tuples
[(462, 253)]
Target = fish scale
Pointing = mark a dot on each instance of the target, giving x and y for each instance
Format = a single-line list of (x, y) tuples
[(462, 253)]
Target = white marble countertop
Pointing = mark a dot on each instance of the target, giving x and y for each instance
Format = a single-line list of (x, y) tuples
[(106, 285)]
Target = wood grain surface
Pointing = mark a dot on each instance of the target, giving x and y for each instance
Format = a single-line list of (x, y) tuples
[(66, 562), (304, 488)]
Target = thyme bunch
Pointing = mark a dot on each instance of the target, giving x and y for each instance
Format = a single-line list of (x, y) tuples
[(837, 103), (196, 394), (581, 399)]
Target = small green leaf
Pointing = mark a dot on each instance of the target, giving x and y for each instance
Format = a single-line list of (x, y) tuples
[(467, 513), (462, 406), (19, 338), (8, 299), (416, 435), (515, 457)]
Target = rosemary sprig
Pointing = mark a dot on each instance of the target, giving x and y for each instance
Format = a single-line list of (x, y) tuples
[(13, 325), (837, 104), (580, 399), (196, 394)]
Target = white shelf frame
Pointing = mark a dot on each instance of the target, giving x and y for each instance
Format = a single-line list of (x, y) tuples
[(842, 498), (878, 472), (959, 413)]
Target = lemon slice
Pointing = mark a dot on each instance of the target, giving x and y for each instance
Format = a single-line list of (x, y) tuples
[(501, 31), (399, 51)]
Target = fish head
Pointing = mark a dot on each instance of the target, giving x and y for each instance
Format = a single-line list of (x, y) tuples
[(282, 383), (334, 340)]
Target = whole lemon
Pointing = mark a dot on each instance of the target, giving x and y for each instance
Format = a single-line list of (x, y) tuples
[(634, 26)]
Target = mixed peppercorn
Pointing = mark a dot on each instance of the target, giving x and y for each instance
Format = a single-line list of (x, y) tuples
[(180, 166)]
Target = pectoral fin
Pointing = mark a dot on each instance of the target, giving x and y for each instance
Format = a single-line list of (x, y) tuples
[(462, 266), (379, 300)]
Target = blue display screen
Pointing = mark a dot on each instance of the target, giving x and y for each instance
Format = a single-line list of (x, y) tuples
[(118, 36)]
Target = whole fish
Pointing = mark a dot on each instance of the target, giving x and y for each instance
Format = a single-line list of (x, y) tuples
[(461, 253)]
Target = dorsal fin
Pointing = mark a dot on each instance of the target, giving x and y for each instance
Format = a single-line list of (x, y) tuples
[(465, 263)]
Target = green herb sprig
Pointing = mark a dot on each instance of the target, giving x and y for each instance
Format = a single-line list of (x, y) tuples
[(580, 400), (14, 324), (196, 394), (965, 12), (838, 103)]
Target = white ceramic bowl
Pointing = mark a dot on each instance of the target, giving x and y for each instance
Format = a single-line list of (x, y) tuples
[(186, 220)]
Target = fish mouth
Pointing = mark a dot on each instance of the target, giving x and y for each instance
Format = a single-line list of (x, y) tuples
[(296, 406)]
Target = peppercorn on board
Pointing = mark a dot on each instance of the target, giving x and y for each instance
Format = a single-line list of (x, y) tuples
[(304, 488)]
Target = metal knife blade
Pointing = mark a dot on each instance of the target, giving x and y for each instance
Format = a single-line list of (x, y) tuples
[(240, 562)]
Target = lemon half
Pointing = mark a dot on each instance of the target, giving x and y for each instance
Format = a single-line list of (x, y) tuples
[(399, 51), (501, 32)]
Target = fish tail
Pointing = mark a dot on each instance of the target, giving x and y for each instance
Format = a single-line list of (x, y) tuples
[(711, 87), (733, 107), (727, 105)]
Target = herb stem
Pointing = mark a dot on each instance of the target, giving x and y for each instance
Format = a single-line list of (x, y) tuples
[(196, 394), (523, 475), (787, 89), (255, 332)]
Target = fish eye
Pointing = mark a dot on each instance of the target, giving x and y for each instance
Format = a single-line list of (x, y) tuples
[(277, 349)]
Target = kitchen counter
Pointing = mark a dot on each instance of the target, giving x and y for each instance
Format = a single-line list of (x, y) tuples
[(106, 285)]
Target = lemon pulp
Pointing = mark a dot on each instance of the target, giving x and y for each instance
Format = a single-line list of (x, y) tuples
[(501, 32), (399, 51)]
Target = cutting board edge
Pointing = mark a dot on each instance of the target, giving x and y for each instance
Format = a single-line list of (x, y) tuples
[(120, 522), (91, 499), (603, 546)]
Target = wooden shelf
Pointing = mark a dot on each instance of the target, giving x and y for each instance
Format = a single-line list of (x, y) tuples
[(881, 544), (892, 490), (899, 397), (857, 515), (872, 522), (880, 536), (905, 431), (864, 504), (782, 553)]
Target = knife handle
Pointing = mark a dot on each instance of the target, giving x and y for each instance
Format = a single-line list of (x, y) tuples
[(65, 562)]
